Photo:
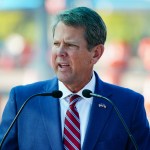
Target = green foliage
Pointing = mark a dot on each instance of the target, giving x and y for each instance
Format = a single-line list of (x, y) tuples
[(127, 26), (17, 22), (123, 26), (7, 22)]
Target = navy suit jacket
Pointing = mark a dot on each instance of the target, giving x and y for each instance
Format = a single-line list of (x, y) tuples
[(39, 125)]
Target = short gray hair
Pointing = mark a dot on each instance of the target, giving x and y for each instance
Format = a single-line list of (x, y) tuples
[(91, 21)]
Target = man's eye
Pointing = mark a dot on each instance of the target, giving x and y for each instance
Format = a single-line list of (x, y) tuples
[(70, 45), (56, 44)]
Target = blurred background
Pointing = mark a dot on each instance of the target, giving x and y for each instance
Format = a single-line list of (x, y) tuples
[(25, 42)]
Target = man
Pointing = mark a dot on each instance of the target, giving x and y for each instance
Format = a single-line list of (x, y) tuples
[(45, 123)]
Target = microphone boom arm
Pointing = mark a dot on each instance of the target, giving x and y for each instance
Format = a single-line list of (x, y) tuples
[(56, 94), (120, 117)]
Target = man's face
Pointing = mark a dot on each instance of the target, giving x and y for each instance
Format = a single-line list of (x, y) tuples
[(71, 60)]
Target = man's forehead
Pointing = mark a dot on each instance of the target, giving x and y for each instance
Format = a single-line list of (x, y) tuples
[(69, 32), (62, 24)]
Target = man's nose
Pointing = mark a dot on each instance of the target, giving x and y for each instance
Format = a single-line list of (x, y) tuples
[(61, 51)]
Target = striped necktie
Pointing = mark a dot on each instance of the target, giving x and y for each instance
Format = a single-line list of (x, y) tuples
[(72, 126)]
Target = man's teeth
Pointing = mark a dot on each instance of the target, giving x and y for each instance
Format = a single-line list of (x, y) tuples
[(63, 65)]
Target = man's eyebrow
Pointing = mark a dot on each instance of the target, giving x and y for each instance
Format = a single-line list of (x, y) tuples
[(72, 41)]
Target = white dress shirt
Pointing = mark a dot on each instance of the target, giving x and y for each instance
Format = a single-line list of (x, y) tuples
[(83, 105)]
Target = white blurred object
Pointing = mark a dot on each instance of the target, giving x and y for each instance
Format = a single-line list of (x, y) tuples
[(15, 44), (30, 76), (146, 90)]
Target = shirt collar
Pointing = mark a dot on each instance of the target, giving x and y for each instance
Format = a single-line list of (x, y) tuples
[(67, 92)]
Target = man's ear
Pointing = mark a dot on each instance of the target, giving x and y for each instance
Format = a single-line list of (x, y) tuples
[(97, 53)]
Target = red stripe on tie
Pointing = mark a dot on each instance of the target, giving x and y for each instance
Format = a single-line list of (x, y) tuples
[(72, 126)]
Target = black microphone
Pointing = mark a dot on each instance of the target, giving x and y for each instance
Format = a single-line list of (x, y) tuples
[(87, 93), (55, 94)]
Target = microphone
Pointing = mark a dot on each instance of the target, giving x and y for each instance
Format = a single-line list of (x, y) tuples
[(87, 93), (55, 94)]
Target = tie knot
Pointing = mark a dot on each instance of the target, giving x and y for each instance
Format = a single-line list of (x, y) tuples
[(74, 99)]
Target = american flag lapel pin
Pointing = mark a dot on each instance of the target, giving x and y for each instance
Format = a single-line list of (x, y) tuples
[(102, 105)]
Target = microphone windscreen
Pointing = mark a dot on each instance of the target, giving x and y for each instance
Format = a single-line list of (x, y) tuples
[(86, 93), (57, 94)]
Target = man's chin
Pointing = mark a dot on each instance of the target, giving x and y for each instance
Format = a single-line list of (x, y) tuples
[(65, 80)]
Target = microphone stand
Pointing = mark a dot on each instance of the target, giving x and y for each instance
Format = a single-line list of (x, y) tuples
[(56, 94), (120, 117)]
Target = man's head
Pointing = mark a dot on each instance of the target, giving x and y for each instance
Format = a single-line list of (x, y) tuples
[(78, 43), (89, 20)]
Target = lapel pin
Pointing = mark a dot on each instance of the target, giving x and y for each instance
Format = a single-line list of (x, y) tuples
[(102, 105)]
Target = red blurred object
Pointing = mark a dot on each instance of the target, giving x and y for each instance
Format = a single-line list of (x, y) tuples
[(120, 53), (117, 58), (144, 52), (54, 6)]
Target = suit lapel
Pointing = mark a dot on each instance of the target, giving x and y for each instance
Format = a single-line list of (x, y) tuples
[(100, 112), (97, 120), (51, 118)]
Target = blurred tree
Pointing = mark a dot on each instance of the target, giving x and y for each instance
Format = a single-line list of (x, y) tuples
[(17, 22), (127, 26), (8, 21)]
